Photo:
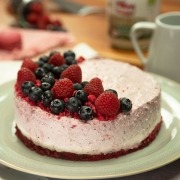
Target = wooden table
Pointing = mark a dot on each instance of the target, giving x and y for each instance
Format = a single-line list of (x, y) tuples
[(92, 29)]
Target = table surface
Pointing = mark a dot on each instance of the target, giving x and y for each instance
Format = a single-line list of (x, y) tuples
[(92, 29)]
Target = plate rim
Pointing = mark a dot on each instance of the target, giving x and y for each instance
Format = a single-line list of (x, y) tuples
[(159, 164)]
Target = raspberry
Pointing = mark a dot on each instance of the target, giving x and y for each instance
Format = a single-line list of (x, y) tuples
[(73, 72), (32, 18), (56, 59), (28, 63), (107, 104), (63, 89), (36, 7), (24, 74), (94, 87)]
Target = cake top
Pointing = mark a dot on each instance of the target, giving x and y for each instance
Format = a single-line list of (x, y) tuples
[(65, 85)]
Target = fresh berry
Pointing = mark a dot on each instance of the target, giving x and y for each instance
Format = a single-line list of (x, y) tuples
[(45, 86), (86, 113), (35, 94), (30, 64), (77, 86), (32, 18), (24, 74), (73, 104), (126, 104), (63, 89), (74, 73), (26, 87), (113, 91), (48, 79), (44, 59), (70, 60), (69, 53), (47, 97), (57, 106), (107, 104), (84, 83), (81, 95), (56, 59), (80, 59), (47, 67), (36, 7), (94, 87), (40, 73), (57, 70)]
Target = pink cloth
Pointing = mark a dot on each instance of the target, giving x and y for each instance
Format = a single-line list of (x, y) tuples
[(35, 42)]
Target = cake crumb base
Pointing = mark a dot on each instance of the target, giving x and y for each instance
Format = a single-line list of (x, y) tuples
[(85, 157)]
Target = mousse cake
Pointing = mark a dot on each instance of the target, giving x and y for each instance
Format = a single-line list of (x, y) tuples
[(86, 110)]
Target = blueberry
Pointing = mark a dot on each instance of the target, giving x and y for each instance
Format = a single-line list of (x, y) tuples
[(47, 97), (84, 83), (48, 79), (45, 86), (35, 94), (77, 86), (81, 95), (70, 60), (57, 70), (57, 106), (26, 87), (40, 73), (86, 113), (73, 104), (113, 91), (47, 67), (69, 53), (44, 59), (64, 66), (126, 104)]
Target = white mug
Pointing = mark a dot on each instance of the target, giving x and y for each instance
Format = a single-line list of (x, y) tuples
[(164, 50)]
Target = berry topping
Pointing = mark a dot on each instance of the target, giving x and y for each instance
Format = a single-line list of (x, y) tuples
[(84, 83), (107, 104), (81, 95), (74, 73), (47, 97), (126, 104), (45, 86), (86, 113), (24, 74), (69, 53), (94, 87), (35, 94), (73, 104), (47, 67), (30, 64), (40, 73), (56, 59), (26, 87), (57, 70), (70, 60), (48, 79), (77, 86), (113, 91), (57, 106), (63, 89)]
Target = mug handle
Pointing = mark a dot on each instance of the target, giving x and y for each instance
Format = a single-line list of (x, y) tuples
[(135, 27)]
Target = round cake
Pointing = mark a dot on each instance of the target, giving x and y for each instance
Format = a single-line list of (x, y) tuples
[(85, 110)]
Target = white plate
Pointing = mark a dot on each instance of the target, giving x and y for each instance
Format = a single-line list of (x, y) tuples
[(165, 148)]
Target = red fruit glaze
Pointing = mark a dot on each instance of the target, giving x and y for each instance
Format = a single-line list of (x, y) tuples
[(24, 74), (94, 87), (107, 104), (73, 72), (30, 64), (63, 89), (56, 59)]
